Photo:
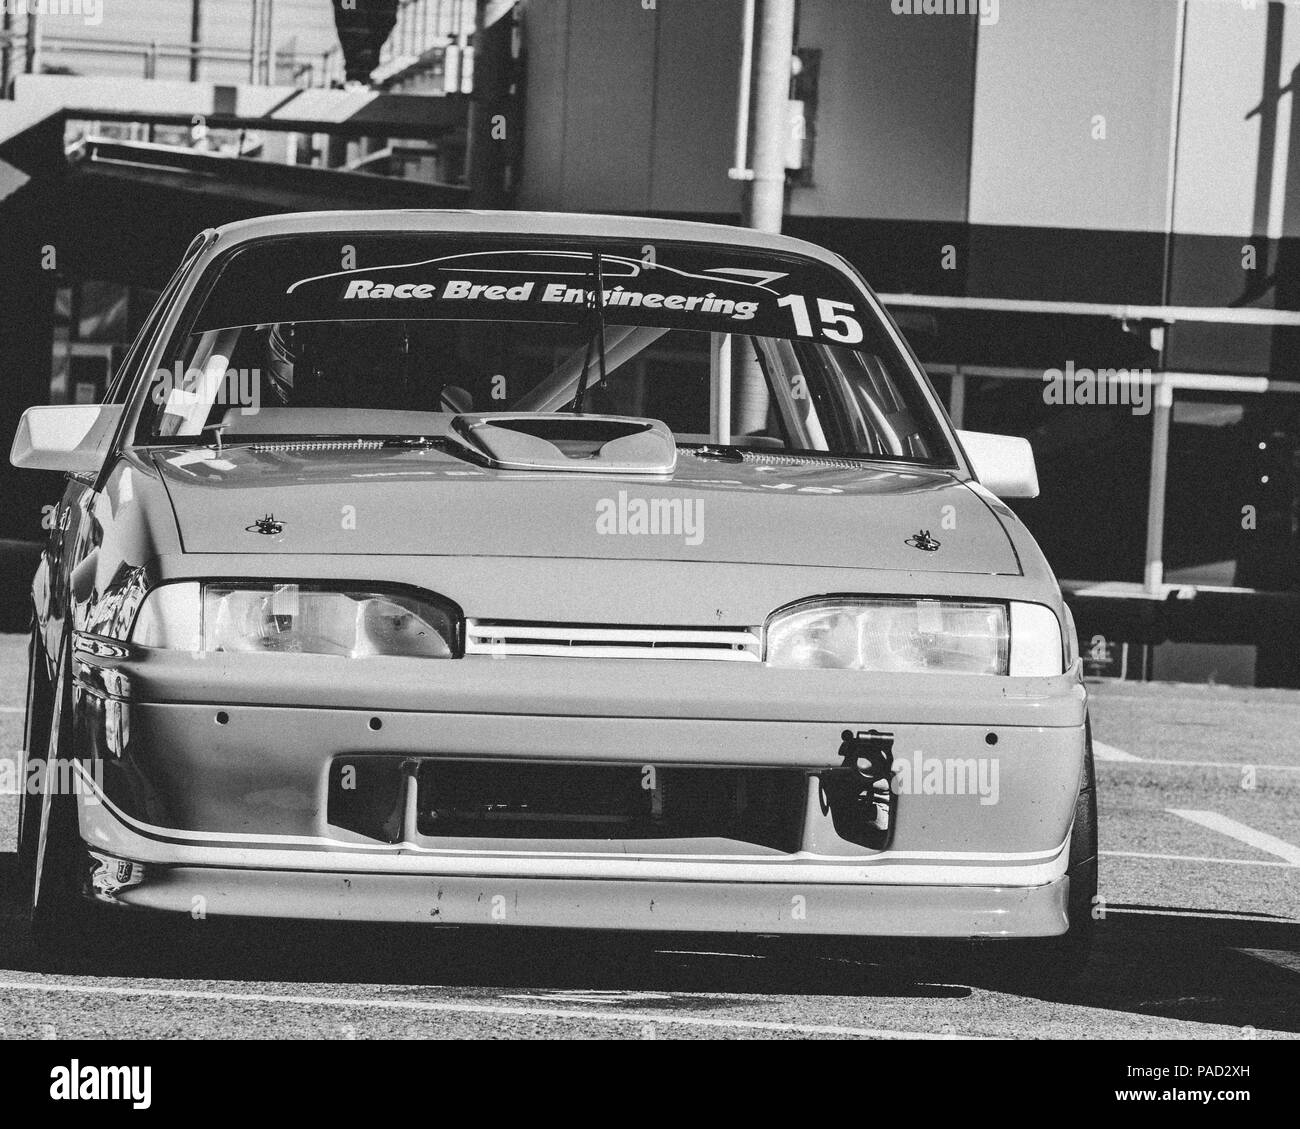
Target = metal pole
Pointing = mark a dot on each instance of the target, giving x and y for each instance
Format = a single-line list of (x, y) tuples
[(462, 43), (252, 40), (772, 115), (268, 35), (1171, 174), (1163, 393), (766, 204), (740, 169), (32, 50), (196, 35), (720, 388), (6, 50), (1164, 408), (477, 112), (957, 398)]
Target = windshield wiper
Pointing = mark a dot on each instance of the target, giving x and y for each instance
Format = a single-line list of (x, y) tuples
[(596, 307), (292, 438), (381, 442), (737, 453)]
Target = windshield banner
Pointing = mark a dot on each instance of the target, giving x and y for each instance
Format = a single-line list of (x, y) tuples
[(679, 286)]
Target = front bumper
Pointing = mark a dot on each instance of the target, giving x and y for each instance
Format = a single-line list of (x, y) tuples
[(234, 810)]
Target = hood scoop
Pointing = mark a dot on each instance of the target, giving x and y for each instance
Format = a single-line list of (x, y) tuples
[(564, 442)]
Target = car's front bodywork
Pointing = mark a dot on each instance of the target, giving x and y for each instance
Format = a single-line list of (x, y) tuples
[(607, 747)]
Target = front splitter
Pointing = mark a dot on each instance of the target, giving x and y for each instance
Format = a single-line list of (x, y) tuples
[(638, 905)]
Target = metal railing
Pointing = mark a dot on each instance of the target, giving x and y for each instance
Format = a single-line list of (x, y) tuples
[(443, 27), (63, 52), (148, 52), (422, 26)]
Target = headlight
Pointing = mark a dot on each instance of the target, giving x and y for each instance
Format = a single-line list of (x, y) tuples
[(911, 636), (304, 619)]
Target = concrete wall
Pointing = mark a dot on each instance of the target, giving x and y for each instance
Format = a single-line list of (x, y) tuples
[(1046, 72), (1049, 66), (630, 109), (1220, 158), (894, 120)]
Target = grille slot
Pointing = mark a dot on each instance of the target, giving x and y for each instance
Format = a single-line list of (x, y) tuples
[(499, 637), (610, 803), (566, 807)]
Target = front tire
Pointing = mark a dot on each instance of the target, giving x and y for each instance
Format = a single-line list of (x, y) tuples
[(36, 735), (55, 921)]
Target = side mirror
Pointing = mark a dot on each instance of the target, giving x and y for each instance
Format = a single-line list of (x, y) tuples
[(70, 438), (1003, 464)]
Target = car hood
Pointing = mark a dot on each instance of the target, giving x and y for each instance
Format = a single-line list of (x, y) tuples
[(296, 500)]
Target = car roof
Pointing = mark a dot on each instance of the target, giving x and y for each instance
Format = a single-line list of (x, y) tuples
[(429, 220)]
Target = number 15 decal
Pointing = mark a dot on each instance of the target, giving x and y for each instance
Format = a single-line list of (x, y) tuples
[(838, 322)]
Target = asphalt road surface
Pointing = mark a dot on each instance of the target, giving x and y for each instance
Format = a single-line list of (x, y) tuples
[(1199, 790)]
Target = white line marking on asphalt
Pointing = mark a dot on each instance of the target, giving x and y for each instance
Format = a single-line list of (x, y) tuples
[(13, 709), (707, 953), (1178, 1000), (592, 996), (1104, 752), (1239, 831), (1236, 767), (1280, 957), (1196, 858), (651, 1018), (1216, 915)]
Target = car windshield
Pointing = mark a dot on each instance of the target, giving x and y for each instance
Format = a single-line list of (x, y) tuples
[(728, 348)]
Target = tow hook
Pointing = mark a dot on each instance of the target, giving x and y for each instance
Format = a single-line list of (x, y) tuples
[(858, 795)]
